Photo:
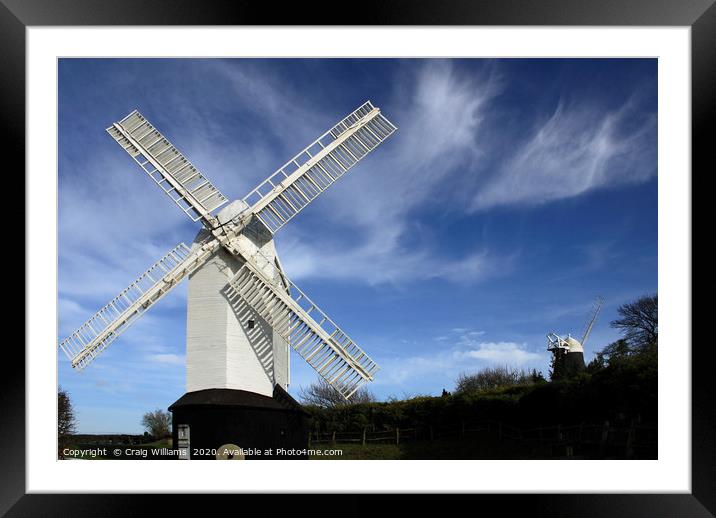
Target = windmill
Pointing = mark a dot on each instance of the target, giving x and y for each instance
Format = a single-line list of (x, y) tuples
[(569, 352), (243, 312)]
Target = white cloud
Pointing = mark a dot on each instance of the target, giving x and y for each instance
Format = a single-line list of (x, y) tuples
[(459, 351), (510, 353), (575, 150)]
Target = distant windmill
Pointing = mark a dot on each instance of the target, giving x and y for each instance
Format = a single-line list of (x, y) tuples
[(242, 310), (569, 352)]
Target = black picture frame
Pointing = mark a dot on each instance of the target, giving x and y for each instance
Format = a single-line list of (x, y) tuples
[(700, 15)]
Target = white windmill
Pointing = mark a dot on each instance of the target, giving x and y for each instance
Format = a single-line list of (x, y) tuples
[(242, 310), (569, 352)]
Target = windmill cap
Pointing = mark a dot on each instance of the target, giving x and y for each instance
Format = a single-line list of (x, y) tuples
[(227, 213), (231, 210), (574, 345)]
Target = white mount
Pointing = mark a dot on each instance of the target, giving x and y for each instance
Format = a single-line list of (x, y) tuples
[(243, 312)]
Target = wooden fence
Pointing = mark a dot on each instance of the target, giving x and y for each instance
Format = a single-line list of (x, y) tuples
[(598, 440)]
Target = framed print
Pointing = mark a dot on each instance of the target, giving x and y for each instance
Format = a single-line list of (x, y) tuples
[(423, 253)]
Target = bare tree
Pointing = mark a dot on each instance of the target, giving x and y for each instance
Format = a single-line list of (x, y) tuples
[(323, 395), (66, 420), (157, 423), (492, 378), (639, 321)]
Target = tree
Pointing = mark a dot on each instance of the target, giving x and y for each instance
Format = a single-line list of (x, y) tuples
[(598, 363), (611, 354), (491, 378), (322, 394), (537, 376), (66, 420), (639, 322), (157, 423), (555, 365), (616, 351)]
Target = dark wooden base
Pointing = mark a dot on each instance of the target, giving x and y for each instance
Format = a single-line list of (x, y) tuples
[(573, 363), (567, 365), (263, 427)]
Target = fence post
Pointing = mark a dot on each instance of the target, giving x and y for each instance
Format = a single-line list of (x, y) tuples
[(397, 436), (629, 453), (333, 439), (364, 436), (309, 440), (605, 437)]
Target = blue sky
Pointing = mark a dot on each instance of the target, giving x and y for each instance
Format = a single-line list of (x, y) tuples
[(514, 192)]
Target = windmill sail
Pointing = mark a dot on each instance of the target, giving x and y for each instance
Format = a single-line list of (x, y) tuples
[(294, 317), (311, 333), (290, 189), (169, 169), (590, 323), (95, 335)]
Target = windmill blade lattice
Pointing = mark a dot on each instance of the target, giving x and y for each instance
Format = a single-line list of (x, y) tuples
[(300, 180), (172, 171), (590, 322), (306, 328), (103, 328)]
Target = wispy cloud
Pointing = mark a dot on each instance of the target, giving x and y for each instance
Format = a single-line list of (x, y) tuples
[(577, 149), (439, 119), (370, 264)]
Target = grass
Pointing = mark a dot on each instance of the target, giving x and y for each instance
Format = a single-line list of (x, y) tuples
[(454, 449), (161, 443), (359, 452)]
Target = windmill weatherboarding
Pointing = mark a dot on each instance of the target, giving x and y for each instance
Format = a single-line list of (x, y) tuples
[(242, 310), (569, 352)]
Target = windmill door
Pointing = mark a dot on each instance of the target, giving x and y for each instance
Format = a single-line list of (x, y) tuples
[(183, 443)]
